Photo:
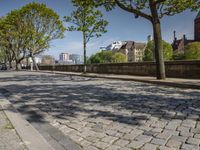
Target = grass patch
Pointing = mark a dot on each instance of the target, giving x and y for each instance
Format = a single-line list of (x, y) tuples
[(8, 126)]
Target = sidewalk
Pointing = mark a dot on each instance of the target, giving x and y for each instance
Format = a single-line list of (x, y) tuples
[(9, 139), (16, 133), (174, 82)]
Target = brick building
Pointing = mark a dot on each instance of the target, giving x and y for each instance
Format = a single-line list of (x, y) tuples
[(179, 45)]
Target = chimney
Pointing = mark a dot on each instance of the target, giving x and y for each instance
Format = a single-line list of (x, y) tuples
[(175, 36)]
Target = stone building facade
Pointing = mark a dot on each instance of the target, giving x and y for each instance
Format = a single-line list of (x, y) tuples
[(179, 45), (133, 50)]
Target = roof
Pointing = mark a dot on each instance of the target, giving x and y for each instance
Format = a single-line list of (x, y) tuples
[(198, 15), (131, 44), (140, 45)]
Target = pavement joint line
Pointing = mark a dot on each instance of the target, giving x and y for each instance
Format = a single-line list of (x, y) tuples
[(166, 82), (29, 135)]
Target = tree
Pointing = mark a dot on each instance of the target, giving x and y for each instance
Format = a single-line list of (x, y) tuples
[(192, 51), (153, 11), (149, 51), (87, 19), (48, 60), (178, 56), (13, 37), (107, 57), (28, 31), (101, 57), (119, 58), (44, 26)]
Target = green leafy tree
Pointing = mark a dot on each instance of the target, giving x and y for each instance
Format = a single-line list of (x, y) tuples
[(149, 51), (13, 37), (119, 58), (44, 26), (178, 56), (153, 11), (101, 57), (107, 57), (28, 31), (192, 51), (87, 19)]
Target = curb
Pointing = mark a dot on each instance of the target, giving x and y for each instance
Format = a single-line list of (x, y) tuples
[(170, 83), (29, 135)]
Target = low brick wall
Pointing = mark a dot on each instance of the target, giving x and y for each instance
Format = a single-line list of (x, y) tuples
[(177, 69)]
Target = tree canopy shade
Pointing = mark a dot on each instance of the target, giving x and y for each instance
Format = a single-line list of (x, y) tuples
[(149, 51), (29, 30), (87, 19), (152, 10), (192, 51), (107, 57)]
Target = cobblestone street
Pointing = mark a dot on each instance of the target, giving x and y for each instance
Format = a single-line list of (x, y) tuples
[(102, 114)]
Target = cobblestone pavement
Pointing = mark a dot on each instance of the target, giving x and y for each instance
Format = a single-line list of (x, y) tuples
[(101, 114), (9, 140)]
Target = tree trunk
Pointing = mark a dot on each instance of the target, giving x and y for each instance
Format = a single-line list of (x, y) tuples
[(10, 64), (84, 53), (18, 65), (160, 66)]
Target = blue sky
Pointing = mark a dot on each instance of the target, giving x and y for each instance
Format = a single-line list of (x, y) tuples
[(122, 26)]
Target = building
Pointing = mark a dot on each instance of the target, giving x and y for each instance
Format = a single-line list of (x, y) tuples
[(133, 50), (115, 45), (64, 57), (76, 58), (179, 44)]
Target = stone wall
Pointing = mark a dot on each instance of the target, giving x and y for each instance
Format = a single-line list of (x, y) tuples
[(177, 69)]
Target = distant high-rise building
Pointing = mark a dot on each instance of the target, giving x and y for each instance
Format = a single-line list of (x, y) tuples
[(64, 57)]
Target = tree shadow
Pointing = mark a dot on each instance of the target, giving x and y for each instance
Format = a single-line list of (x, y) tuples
[(125, 102)]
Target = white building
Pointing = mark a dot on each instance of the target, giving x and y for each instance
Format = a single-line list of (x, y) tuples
[(64, 57), (115, 45)]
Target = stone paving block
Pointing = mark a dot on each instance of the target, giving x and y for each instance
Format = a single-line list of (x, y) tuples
[(109, 139), (126, 148), (135, 144), (149, 146), (195, 130), (197, 136), (158, 141), (143, 138), (125, 130), (113, 147), (189, 147), (85, 143), (130, 136), (101, 145), (90, 148), (166, 148), (179, 138), (122, 142), (174, 144), (193, 141), (186, 134)]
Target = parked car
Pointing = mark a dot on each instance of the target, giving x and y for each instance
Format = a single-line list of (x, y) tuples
[(3, 67)]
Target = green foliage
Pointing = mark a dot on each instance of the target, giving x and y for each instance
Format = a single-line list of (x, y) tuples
[(167, 50), (178, 56), (119, 58), (192, 51), (29, 30), (107, 57), (87, 19)]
